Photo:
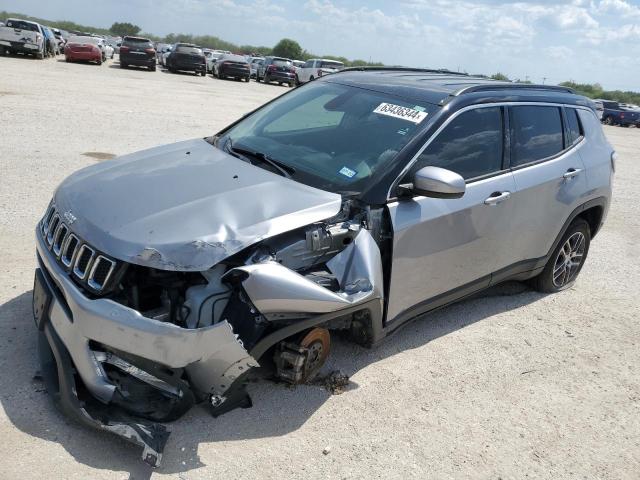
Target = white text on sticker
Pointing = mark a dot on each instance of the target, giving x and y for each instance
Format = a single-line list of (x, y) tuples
[(398, 111)]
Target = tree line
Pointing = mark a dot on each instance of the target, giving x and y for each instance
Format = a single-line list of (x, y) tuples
[(289, 48)]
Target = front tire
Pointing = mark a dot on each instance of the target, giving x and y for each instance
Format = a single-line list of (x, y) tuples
[(567, 259)]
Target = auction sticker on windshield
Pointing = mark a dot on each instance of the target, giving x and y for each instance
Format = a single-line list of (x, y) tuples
[(398, 111)]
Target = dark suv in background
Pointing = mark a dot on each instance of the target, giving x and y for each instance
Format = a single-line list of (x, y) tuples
[(187, 57), (276, 69), (137, 51), (230, 65)]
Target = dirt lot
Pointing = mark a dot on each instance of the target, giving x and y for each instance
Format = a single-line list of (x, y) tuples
[(511, 385)]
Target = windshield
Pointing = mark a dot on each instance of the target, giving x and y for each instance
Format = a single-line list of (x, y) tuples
[(334, 137)]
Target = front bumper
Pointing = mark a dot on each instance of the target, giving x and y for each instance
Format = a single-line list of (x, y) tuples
[(76, 331)]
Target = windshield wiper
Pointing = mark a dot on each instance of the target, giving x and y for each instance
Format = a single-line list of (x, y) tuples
[(284, 169)]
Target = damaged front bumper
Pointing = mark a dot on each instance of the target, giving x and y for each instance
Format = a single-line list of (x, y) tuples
[(81, 335)]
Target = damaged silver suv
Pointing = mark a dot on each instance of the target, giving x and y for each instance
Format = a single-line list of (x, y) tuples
[(356, 202)]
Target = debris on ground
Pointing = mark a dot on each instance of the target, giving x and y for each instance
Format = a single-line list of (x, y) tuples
[(326, 450), (335, 382)]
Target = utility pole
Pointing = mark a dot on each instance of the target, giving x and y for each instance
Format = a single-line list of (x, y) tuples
[(544, 79)]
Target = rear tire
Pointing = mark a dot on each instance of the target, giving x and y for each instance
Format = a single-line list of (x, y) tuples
[(123, 65), (567, 259)]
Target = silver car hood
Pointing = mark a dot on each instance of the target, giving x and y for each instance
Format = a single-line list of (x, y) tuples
[(184, 206)]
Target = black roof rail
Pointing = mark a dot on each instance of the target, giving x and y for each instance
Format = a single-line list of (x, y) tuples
[(400, 69), (504, 85)]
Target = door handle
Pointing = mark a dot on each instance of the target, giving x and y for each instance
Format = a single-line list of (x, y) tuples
[(572, 172), (497, 197)]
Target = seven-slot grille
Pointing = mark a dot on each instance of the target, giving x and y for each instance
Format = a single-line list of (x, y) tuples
[(83, 262)]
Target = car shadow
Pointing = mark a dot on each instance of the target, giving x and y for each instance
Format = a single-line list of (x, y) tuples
[(278, 409)]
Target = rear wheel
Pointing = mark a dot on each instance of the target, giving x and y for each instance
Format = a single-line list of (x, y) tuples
[(567, 259), (608, 121), (123, 65)]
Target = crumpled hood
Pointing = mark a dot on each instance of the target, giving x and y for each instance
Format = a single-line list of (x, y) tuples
[(185, 206)]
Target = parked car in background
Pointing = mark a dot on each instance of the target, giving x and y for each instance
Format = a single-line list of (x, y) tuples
[(316, 68), (234, 66), (212, 57), (615, 114), (297, 64), (599, 108), (109, 51), (61, 38), (187, 57), (51, 42), (160, 49), (137, 51), (83, 48), (276, 69), (23, 36), (253, 65), (164, 54)]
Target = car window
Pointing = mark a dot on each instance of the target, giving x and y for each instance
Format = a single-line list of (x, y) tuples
[(22, 25), (312, 114), (471, 145), (279, 62), (335, 65), (308, 64), (137, 42), (78, 39), (536, 133), (575, 129), (336, 137), (189, 50)]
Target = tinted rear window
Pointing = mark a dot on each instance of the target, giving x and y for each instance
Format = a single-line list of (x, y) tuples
[(575, 130), (611, 105), (536, 133), (137, 42), (22, 25), (233, 58), (190, 50), (335, 65), (471, 145), (279, 62)]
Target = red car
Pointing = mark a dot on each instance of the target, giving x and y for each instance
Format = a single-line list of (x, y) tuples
[(84, 48)]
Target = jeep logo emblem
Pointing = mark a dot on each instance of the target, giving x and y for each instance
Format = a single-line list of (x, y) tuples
[(69, 217)]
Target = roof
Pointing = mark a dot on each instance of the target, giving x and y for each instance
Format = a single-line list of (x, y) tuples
[(437, 86)]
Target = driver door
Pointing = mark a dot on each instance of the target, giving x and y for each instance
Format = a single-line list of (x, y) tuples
[(444, 249)]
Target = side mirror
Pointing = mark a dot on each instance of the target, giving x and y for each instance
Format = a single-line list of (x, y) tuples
[(436, 182)]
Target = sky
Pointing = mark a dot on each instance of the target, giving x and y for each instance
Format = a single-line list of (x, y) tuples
[(552, 41)]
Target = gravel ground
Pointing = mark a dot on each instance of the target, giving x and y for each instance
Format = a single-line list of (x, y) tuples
[(513, 384)]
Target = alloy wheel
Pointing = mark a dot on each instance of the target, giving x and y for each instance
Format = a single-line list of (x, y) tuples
[(569, 260)]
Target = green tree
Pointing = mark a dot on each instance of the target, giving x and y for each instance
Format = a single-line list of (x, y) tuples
[(500, 76), (288, 48), (124, 28)]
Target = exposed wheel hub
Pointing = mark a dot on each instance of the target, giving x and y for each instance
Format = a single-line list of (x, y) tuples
[(298, 361)]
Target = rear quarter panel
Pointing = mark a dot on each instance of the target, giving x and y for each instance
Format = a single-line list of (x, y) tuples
[(596, 156)]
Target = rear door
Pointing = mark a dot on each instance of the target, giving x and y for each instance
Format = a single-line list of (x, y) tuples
[(450, 247), (549, 176)]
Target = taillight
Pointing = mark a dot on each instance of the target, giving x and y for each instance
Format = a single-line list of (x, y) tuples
[(124, 49), (622, 115), (150, 51), (271, 68)]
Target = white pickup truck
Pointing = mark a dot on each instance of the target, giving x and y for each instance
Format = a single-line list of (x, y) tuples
[(22, 36)]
